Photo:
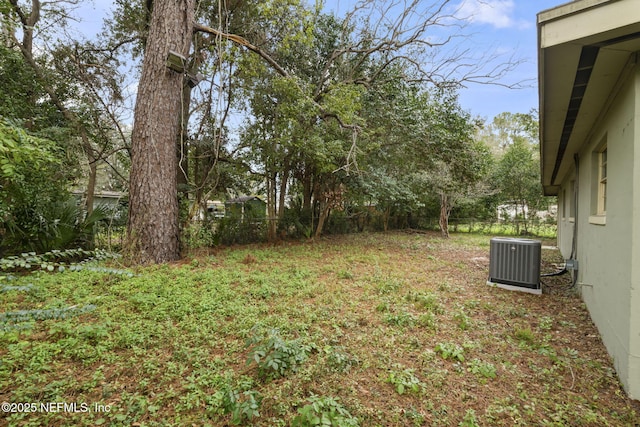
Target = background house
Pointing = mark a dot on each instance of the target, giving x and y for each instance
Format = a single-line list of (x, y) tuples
[(246, 207), (589, 79), (511, 211), (115, 202), (215, 209)]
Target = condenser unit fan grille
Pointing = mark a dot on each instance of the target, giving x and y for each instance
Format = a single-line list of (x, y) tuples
[(515, 264)]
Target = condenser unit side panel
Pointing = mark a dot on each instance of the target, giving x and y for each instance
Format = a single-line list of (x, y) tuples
[(515, 262)]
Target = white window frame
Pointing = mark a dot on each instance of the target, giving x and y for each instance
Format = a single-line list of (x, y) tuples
[(602, 183), (572, 201), (599, 198)]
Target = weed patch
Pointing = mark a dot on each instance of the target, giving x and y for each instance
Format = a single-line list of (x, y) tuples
[(274, 356), (391, 329)]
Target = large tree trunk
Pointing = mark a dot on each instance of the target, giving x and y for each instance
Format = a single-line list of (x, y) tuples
[(91, 186), (386, 214), (325, 210), (31, 21), (153, 231)]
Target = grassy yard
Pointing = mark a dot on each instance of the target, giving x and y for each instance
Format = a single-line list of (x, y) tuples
[(372, 330)]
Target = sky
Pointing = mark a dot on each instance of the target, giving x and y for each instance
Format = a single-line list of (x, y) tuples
[(510, 25), (507, 26)]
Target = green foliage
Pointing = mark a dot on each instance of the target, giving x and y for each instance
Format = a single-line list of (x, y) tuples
[(482, 369), (242, 405), (38, 214), (463, 321), (404, 380), (275, 356), (201, 234), (181, 328), (508, 128), (295, 223), (469, 419), (20, 151), (233, 230), (23, 288), (59, 260), (20, 85), (525, 336), (64, 225), (387, 285), (27, 167), (73, 260), (450, 351), (519, 174), (514, 138), (324, 411), (339, 359), (400, 319), (22, 319), (345, 275), (426, 301), (546, 323)]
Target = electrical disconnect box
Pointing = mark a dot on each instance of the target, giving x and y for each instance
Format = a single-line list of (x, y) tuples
[(571, 264)]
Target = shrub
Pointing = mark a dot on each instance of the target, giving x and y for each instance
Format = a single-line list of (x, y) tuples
[(233, 230), (38, 213), (274, 355)]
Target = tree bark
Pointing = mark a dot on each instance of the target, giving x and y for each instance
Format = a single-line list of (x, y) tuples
[(385, 218), (91, 185), (445, 210), (325, 210), (153, 230)]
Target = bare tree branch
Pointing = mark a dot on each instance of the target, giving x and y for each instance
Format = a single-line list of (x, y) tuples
[(242, 42)]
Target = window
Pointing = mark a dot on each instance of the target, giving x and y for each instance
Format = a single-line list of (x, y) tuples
[(599, 172), (572, 201), (602, 183)]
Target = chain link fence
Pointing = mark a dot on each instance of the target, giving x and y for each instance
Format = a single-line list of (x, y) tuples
[(230, 231)]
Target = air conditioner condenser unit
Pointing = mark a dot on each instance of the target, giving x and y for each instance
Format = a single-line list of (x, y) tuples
[(514, 264)]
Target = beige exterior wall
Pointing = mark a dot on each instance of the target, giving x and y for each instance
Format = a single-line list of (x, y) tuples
[(608, 279), (566, 216), (634, 321)]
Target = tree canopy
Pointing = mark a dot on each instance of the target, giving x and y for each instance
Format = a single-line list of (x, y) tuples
[(328, 118)]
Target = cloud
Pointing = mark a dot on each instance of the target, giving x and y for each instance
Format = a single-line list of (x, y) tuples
[(497, 13)]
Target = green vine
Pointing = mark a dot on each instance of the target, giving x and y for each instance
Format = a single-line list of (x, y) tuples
[(21, 319), (73, 259), (53, 261)]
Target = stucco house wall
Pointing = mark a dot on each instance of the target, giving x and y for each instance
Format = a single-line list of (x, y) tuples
[(634, 300), (566, 216), (589, 85), (608, 279)]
